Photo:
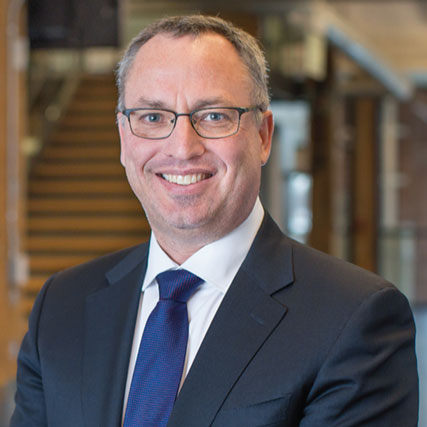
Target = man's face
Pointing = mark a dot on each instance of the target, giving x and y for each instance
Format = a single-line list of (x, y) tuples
[(183, 74)]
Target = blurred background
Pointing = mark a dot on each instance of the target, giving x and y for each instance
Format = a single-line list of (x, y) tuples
[(348, 173)]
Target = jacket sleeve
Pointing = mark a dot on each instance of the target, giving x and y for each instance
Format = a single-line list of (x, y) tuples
[(370, 375), (30, 408)]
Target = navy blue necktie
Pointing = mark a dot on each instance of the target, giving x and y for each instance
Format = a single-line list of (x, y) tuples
[(160, 361)]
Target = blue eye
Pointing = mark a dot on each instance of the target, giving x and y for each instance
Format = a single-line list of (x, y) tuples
[(214, 116), (153, 117)]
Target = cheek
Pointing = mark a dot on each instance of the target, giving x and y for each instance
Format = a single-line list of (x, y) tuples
[(242, 174), (135, 154), (245, 158)]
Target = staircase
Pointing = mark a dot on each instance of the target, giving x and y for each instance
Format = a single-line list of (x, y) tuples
[(80, 205)]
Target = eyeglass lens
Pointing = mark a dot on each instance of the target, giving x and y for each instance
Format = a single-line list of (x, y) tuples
[(209, 123)]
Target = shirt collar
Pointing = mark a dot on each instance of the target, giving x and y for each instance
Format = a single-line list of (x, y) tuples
[(216, 263)]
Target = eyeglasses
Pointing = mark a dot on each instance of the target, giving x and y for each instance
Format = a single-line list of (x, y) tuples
[(212, 122)]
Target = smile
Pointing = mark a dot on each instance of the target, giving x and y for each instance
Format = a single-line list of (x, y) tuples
[(185, 179)]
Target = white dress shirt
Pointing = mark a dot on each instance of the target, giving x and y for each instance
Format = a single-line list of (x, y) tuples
[(216, 263)]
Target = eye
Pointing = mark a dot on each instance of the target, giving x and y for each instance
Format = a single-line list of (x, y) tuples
[(151, 117), (213, 116)]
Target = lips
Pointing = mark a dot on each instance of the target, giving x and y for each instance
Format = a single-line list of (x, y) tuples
[(185, 179)]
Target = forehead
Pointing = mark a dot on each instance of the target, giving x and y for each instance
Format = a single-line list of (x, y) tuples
[(208, 63)]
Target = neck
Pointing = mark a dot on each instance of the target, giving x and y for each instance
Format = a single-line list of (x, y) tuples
[(181, 243), (179, 249)]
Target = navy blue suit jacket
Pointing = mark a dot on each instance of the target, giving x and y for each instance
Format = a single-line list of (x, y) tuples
[(300, 339)]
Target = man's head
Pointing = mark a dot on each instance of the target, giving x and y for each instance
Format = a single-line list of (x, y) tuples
[(196, 180), (196, 25)]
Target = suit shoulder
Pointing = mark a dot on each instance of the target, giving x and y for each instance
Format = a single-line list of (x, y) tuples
[(334, 277), (276, 258), (91, 275), (102, 264)]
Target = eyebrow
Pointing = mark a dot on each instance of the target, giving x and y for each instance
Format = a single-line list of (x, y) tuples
[(144, 102), (212, 102), (219, 101)]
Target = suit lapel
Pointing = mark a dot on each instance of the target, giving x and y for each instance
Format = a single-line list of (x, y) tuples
[(244, 321), (109, 325)]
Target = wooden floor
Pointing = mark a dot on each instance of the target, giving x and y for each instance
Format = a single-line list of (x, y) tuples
[(80, 205)]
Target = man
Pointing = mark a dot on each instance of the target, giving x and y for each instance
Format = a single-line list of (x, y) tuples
[(278, 334)]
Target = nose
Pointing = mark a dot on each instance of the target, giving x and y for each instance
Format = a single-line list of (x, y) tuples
[(184, 143)]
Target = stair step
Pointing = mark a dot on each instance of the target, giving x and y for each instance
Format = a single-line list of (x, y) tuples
[(93, 104), (88, 224), (84, 187), (94, 113), (99, 95), (98, 81), (75, 243), (50, 264), (42, 264), (101, 88), (82, 152), (52, 169), (84, 120), (87, 136), (80, 204), (34, 284)]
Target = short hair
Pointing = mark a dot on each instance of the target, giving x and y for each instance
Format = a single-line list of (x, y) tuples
[(246, 46)]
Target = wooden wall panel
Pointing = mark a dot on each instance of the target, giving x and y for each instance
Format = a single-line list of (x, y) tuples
[(5, 363), (321, 234), (365, 187), (3, 9), (11, 325)]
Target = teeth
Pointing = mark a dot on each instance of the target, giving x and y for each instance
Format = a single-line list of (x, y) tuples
[(184, 179)]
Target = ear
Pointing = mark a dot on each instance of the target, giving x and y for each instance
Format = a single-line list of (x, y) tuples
[(266, 129), (121, 125)]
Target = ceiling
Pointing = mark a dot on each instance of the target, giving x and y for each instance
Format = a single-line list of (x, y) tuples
[(396, 29), (392, 32)]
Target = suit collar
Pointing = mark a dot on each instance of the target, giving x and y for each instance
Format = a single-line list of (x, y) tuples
[(244, 321), (132, 260), (270, 259), (110, 316)]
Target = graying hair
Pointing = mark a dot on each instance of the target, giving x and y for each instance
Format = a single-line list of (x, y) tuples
[(178, 26)]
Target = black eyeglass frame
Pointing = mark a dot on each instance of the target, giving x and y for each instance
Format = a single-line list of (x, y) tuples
[(241, 110)]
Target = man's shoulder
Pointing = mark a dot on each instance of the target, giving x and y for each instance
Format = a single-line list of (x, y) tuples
[(94, 274), (104, 263), (326, 292), (330, 269), (325, 283), (316, 272)]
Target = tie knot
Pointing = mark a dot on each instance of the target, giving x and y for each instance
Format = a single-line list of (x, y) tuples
[(177, 285)]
